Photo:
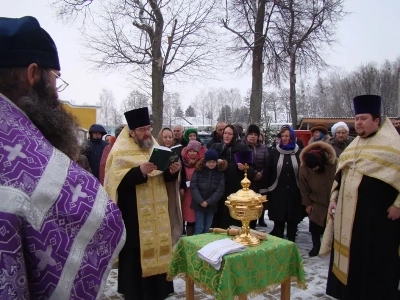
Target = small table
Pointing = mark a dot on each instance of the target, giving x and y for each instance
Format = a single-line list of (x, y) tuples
[(274, 261)]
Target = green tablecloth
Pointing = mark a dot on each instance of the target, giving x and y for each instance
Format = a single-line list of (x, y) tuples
[(246, 272)]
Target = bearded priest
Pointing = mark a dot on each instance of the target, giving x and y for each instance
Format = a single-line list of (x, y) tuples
[(59, 231)]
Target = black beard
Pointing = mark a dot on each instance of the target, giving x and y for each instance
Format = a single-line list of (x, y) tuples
[(59, 127)]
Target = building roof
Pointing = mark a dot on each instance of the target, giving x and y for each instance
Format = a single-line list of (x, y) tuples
[(79, 106)]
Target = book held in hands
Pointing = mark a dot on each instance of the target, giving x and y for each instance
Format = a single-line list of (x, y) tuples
[(162, 156)]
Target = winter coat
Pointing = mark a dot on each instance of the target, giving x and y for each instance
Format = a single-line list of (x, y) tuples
[(215, 139), (260, 161), (339, 146), (284, 202), (315, 186), (233, 177), (94, 149), (207, 185)]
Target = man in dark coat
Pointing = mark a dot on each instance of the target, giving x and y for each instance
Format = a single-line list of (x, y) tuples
[(95, 147), (216, 134), (365, 205), (150, 210)]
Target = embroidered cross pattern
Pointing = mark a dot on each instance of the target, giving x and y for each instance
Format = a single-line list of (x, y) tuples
[(14, 152)]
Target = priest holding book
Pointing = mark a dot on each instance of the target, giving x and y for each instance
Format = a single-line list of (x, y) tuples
[(150, 210)]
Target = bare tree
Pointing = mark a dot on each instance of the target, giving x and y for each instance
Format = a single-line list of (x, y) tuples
[(135, 99), (108, 114), (171, 101), (249, 22), (297, 38), (148, 38), (201, 105), (331, 96), (270, 107)]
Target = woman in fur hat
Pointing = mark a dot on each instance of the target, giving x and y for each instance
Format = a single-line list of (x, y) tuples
[(340, 137), (317, 171), (320, 133)]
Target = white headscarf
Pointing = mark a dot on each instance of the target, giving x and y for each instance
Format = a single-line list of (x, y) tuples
[(337, 125)]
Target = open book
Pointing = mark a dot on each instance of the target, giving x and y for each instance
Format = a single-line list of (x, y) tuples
[(162, 156)]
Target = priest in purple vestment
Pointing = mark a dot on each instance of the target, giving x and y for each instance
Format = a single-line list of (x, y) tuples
[(59, 231)]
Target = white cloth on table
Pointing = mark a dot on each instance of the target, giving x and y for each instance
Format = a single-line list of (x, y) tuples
[(213, 252)]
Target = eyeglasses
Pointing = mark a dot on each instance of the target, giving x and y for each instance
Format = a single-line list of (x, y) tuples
[(143, 129), (63, 85)]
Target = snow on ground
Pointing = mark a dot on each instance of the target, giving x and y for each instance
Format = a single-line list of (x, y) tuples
[(315, 268)]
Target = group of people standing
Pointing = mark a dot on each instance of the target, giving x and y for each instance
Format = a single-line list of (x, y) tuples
[(60, 228)]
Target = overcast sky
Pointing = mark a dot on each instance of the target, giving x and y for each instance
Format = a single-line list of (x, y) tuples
[(370, 33)]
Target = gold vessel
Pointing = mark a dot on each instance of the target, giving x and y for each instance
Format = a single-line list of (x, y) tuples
[(246, 205)]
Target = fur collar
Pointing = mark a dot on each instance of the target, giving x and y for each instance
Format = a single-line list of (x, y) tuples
[(222, 165), (328, 149)]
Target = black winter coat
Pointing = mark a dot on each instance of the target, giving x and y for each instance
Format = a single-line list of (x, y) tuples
[(94, 151), (233, 177), (284, 202), (207, 185), (260, 152), (215, 139)]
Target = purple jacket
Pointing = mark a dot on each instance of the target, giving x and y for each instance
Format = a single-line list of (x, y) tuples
[(59, 232)]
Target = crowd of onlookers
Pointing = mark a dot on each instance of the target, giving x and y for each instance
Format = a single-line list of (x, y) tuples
[(296, 178)]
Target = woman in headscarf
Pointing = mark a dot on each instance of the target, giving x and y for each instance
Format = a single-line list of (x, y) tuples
[(234, 173), (281, 180), (317, 171), (340, 137), (166, 137)]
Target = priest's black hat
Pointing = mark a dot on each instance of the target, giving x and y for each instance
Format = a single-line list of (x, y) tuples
[(23, 42), (367, 104), (137, 117)]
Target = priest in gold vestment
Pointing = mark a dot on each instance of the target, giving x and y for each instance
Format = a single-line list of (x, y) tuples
[(149, 202), (365, 209)]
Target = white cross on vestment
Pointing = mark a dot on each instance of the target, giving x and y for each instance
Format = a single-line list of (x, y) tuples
[(14, 152), (77, 192), (45, 258)]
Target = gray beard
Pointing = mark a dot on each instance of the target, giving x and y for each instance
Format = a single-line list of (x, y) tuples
[(144, 144)]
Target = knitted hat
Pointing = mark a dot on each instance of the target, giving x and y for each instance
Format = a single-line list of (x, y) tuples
[(189, 131), (320, 127), (193, 145), (210, 154), (367, 104), (315, 158), (23, 42), (337, 125), (253, 129), (137, 117)]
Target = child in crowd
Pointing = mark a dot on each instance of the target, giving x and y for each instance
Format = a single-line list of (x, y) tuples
[(207, 187), (191, 155)]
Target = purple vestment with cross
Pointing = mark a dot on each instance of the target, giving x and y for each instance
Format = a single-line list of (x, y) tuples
[(59, 232)]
